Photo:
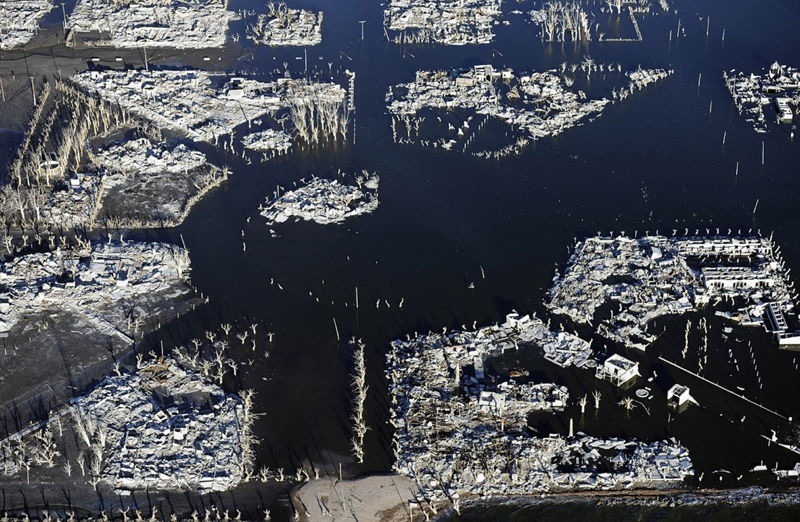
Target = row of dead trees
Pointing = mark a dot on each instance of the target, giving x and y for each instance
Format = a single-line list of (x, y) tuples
[(318, 117), (64, 121), (563, 19)]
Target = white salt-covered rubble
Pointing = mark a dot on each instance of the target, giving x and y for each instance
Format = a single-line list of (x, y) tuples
[(459, 433), (206, 106), (282, 26), (162, 428), (779, 86), (272, 141), (19, 21), (149, 23), (539, 104), (325, 201), (113, 287), (623, 283), (448, 22)]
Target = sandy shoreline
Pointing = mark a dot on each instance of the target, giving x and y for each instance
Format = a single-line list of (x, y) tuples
[(386, 498)]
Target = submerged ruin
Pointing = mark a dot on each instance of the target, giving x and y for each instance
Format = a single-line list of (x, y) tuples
[(198, 24), (533, 105), (620, 284), (324, 201), (282, 26), (448, 22), (775, 92), (461, 433)]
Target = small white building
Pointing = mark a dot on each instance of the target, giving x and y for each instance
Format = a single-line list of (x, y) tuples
[(679, 395), (618, 370)]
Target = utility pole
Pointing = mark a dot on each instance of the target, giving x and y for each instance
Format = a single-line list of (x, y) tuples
[(64, 16), (362, 22), (33, 90)]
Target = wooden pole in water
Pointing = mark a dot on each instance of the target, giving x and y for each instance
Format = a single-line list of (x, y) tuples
[(724, 136), (710, 106), (737, 168), (708, 25), (762, 153), (699, 77), (755, 207), (723, 34), (337, 329)]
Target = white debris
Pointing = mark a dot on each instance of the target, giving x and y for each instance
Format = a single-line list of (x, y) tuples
[(114, 287), (325, 201), (459, 432), (206, 106), (537, 104), (284, 26), (780, 85), (162, 428), (149, 23), (653, 276), (275, 141), (448, 22), (19, 20)]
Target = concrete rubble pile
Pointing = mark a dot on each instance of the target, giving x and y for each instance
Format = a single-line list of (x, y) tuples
[(448, 22), (163, 428), (114, 287), (198, 24), (324, 201), (778, 87), (286, 27), (19, 20), (460, 433), (538, 104), (275, 142), (623, 283), (203, 106)]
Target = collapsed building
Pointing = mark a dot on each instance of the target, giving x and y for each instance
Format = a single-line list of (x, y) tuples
[(19, 20), (777, 90), (324, 201), (533, 106), (163, 427), (206, 106), (149, 23), (115, 288), (283, 26), (448, 22), (623, 283), (459, 432)]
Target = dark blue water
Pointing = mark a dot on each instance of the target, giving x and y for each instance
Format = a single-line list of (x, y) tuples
[(653, 162)]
